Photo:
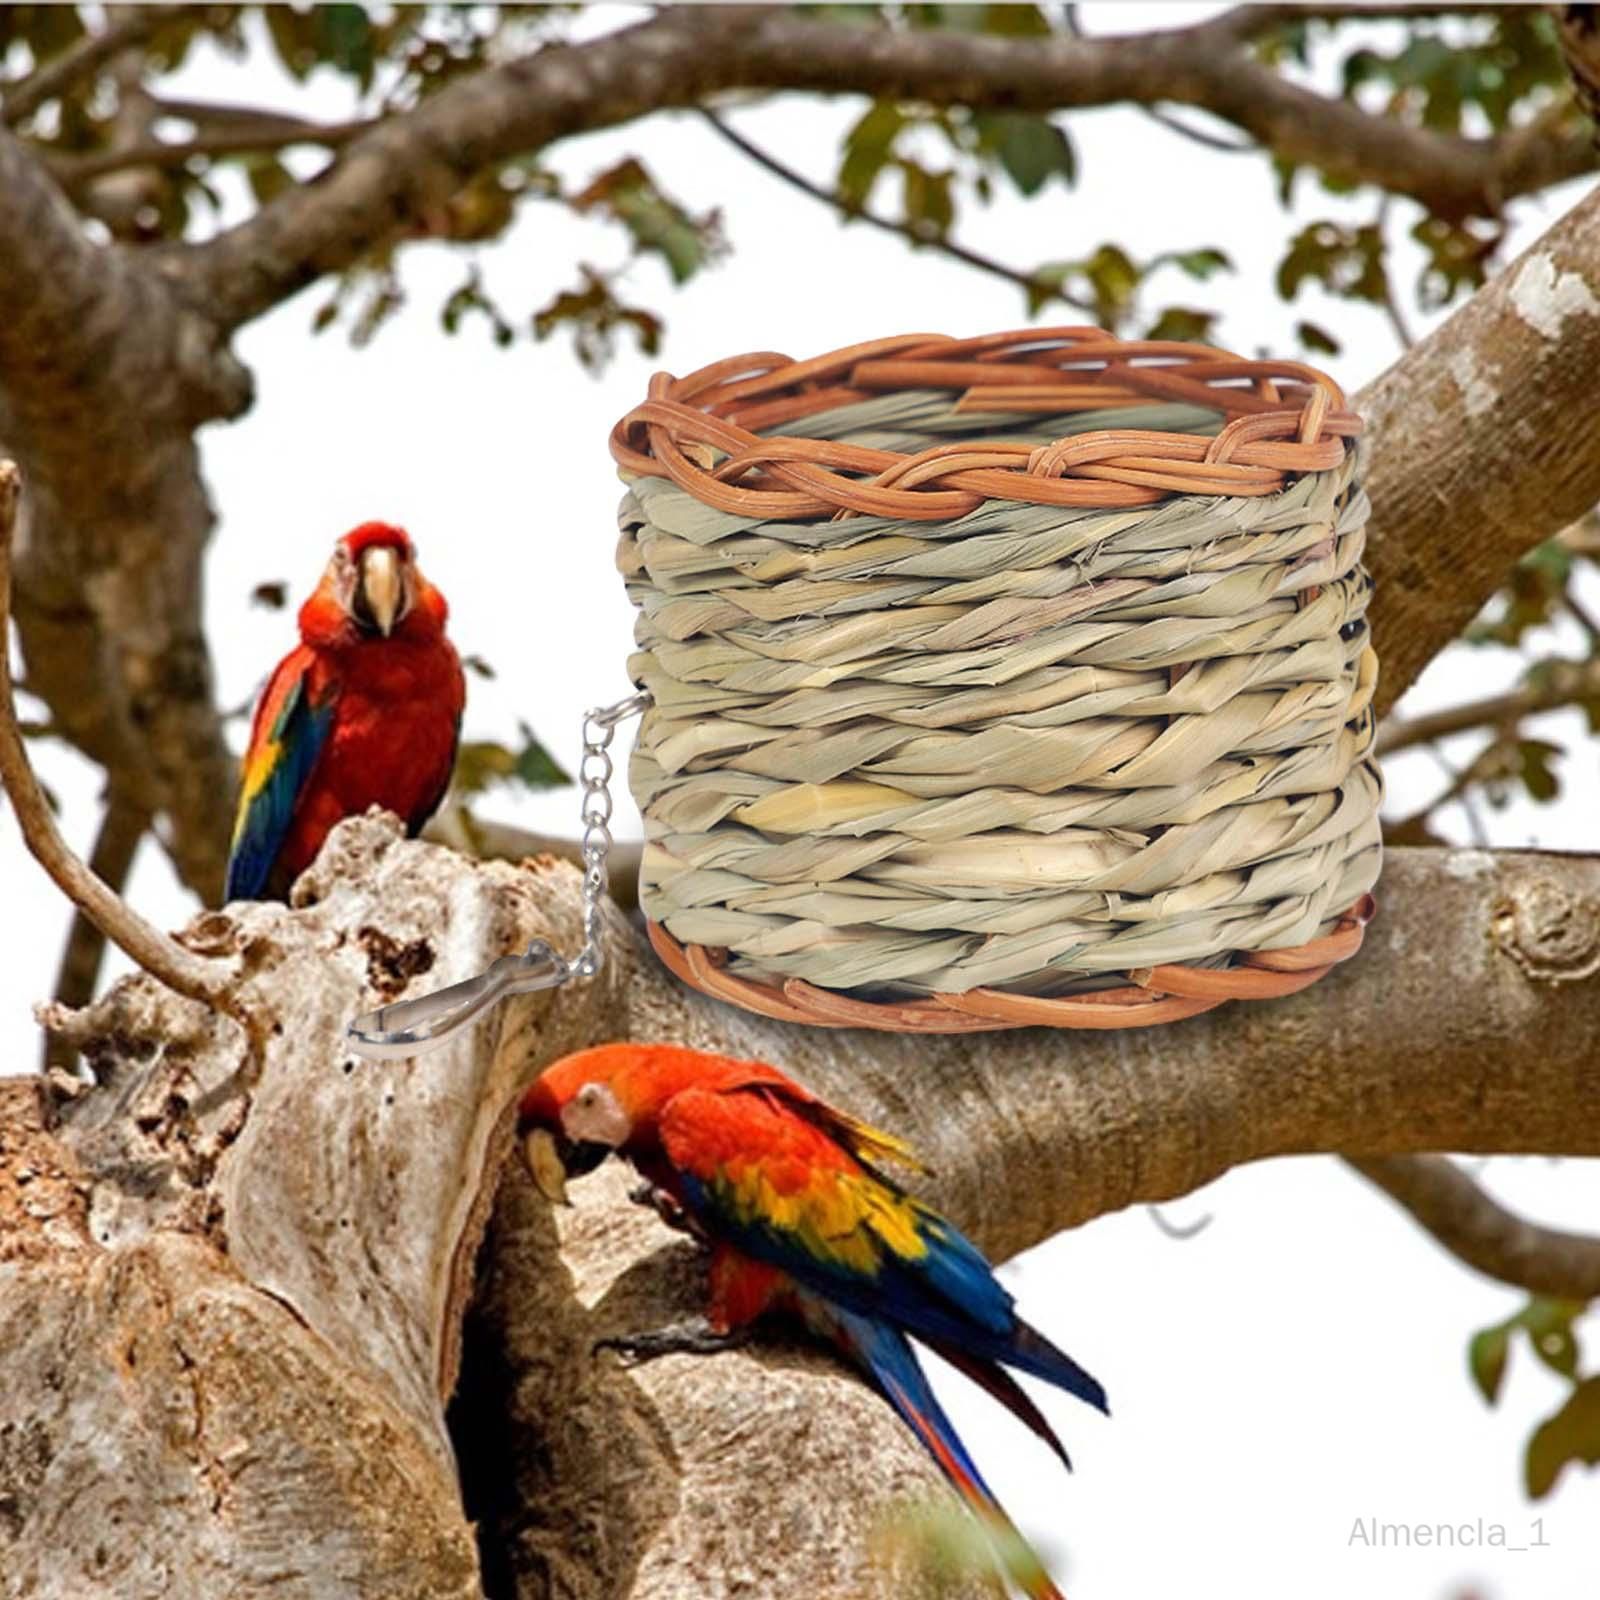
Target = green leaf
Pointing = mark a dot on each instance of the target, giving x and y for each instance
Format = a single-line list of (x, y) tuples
[(1182, 322), (1571, 1434), (594, 316), (536, 767), (484, 763), (1487, 1354), (1538, 776), (1436, 82), (1285, 172), (1201, 264), (868, 149), (929, 204), (1459, 257), (1010, 21), (469, 298), (657, 223), (291, 34), (267, 176), (1316, 339), (1532, 595), (1031, 150), (344, 39), (1346, 261), (1548, 1325)]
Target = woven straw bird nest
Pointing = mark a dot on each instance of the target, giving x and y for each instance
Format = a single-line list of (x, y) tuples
[(1002, 681)]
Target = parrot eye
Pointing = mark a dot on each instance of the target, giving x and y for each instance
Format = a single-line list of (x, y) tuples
[(594, 1116)]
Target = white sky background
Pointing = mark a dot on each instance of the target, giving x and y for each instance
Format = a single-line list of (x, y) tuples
[(1298, 1365)]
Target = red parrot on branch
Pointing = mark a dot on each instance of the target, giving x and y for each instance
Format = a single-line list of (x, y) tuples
[(786, 1191), (365, 711)]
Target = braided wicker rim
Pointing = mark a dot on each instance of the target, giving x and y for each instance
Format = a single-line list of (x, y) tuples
[(1282, 419), (1154, 994)]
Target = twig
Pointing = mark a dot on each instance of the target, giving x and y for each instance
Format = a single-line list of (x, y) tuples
[(72, 172), (1030, 282), (122, 827), (1584, 617), (208, 981), (1391, 306), (1564, 683), (87, 56), (1477, 1229)]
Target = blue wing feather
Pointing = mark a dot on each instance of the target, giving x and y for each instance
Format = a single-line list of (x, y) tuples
[(948, 1296), (281, 759)]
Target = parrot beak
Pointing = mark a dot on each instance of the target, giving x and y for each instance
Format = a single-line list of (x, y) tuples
[(552, 1158), (381, 589)]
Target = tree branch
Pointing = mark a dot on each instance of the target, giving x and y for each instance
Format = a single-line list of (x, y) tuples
[(108, 600), (392, 178), (1470, 1021), (54, 78), (1029, 282), (73, 172), (1474, 1226), (350, 1202), (1475, 451), (1563, 683), (210, 982)]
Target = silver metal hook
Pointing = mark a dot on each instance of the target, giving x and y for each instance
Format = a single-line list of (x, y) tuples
[(410, 1026)]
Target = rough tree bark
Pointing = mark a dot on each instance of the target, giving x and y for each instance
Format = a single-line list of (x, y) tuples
[(232, 1283), (105, 373)]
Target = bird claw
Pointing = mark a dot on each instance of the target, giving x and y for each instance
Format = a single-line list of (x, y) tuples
[(681, 1338), (665, 1207)]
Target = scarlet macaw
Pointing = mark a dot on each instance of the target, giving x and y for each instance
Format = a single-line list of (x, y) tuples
[(366, 710), (785, 1190)]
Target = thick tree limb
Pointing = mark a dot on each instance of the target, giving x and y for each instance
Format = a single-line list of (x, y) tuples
[(392, 179), (210, 982), (325, 1222), (1475, 451), (108, 599), (1474, 1226)]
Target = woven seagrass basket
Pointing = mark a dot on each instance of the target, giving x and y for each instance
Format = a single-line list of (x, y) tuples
[(1000, 682)]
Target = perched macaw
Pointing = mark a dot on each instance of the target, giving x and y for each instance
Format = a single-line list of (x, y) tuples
[(786, 1191), (366, 710)]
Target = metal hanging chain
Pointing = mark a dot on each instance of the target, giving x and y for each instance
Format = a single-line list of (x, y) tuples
[(594, 773), (412, 1026)]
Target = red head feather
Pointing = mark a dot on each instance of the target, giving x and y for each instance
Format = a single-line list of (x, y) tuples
[(369, 534)]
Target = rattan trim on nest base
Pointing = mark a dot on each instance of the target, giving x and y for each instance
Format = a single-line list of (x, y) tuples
[(1152, 994)]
